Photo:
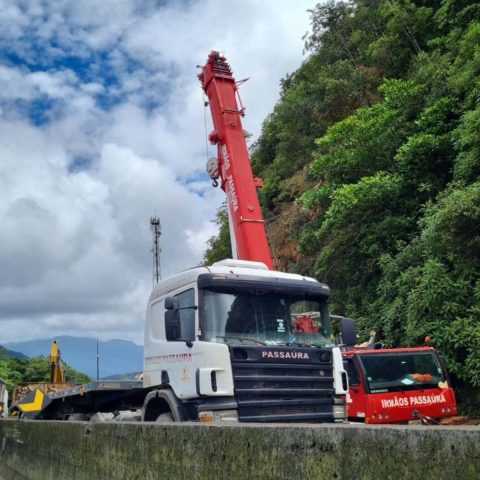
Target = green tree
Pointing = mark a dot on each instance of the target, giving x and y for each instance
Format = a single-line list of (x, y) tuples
[(371, 165), (35, 369), (219, 247)]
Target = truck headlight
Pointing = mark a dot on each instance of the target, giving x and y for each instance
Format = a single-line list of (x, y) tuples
[(210, 416)]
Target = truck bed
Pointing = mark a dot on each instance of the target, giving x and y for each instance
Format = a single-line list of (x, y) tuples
[(92, 397)]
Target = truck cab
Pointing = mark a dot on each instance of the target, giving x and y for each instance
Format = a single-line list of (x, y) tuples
[(226, 342), (397, 385)]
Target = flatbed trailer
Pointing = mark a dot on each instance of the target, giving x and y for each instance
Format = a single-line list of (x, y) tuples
[(86, 399)]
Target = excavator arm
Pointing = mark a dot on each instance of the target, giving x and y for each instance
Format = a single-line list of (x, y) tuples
[(56, 367)]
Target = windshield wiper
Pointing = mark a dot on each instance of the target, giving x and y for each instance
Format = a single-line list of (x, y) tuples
[(425, 386), (242, 339), (293, 341), (298, 344)]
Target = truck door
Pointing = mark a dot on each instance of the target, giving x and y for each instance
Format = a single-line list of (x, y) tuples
[(356, 394)]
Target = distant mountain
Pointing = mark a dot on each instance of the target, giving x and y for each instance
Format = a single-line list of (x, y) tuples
[(5, 353), (116, 356), (123, 377)]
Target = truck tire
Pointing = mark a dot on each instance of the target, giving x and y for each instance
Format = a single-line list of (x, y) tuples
[(165, 418), (158, 402)]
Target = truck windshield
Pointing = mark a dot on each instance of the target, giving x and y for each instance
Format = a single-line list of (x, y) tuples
[(390, 372), (268, 318)]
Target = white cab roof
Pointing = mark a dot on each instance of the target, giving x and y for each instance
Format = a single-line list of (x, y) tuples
[(228, 266)]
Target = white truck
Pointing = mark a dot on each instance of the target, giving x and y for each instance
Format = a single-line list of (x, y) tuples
[(222, 343)]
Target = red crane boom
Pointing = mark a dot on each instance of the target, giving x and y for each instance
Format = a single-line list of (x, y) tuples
[(232, 165)]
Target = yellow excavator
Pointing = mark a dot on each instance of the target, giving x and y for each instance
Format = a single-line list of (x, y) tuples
[(28, 397), (57, 371)]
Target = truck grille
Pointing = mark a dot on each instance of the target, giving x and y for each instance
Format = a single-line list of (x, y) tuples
[(289, 384)]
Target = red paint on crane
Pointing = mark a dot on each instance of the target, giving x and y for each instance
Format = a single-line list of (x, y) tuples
[(234, 166)]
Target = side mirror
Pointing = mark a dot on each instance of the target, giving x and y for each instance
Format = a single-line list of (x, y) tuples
[(171, 303), (172, 320), (348, 331)]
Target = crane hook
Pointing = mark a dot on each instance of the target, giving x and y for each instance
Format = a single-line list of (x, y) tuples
[(215, 183)]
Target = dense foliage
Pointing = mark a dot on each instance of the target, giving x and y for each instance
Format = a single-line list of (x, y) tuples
[(371, 160), (218, 247), (36, 369)]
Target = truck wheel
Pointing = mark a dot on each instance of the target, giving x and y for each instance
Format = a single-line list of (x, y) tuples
[(165, 418)]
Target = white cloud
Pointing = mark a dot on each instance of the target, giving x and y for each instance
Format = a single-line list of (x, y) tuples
[(18, 84), (125, 138)]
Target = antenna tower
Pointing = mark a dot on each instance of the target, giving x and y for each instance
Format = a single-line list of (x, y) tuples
[(157, 231)]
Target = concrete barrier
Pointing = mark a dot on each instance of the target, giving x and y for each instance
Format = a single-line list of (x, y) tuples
[(38, 450)]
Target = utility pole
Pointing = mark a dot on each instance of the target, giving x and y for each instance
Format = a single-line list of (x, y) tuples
[(156, 230), (98, 362)]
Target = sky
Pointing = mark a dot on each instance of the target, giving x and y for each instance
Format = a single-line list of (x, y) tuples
[(102, 125)]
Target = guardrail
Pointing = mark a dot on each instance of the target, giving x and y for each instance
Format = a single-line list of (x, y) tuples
[(46, 450)]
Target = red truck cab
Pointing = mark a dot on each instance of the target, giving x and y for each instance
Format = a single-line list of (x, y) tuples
[(397, 385)]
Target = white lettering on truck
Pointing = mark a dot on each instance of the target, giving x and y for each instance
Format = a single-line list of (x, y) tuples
[(226, 157), (292, 355), (232, 194), (165, 359), (410, 401)]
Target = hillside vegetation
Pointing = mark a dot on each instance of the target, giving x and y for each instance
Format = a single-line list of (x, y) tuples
[(14, 370), (115, 356), (371, 160)]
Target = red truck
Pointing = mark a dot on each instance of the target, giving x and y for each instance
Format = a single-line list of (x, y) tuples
[(398, 385)]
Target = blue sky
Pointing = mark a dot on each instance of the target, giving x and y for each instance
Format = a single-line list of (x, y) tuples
[(102, 125)]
